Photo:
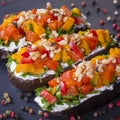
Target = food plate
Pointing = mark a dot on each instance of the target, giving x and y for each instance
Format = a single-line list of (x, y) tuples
[(107, 9)]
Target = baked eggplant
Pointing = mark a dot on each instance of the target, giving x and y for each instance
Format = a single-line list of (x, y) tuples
[(26, 27), (87, 86), (47, 58)]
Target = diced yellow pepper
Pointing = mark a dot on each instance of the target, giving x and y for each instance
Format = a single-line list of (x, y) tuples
[(101, 36), (108, 37), (8, 21), (25, 68), (57, 57), (68, 23), (28, 68), (17, 57), (67, 47), (85, 46), (99, 58), (37, 28), (76, 10), (64, 55), (114, 52)]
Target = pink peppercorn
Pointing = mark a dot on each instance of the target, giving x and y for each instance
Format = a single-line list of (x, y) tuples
[(46, 115), (115, 25), (118, 28), (118, 103), (110, 105), (12, 114), (102, 22), (83, 4), (72, 118), (3, 3)]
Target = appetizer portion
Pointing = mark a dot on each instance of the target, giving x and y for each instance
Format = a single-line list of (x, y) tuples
[(82, 86), (51, 57), (26, 27)]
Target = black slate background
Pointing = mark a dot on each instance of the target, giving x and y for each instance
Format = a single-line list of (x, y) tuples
[(94, 18)]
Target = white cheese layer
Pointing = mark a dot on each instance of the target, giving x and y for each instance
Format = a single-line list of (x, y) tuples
[(58, 108), (28, 77), (22, 42)]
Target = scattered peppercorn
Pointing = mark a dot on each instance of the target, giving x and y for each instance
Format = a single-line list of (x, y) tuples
[(78, 118), (46, 115), (12, 114), (116, 12), (3, 102), (110, 105), (104, 11), (83, 4), (3, 3), (8, 100), (4, 115), (72, 5), (5, 95), (31, 111), (20, 95), (109, 18), (29, 94), (40, 112), (94, 3), (72, 118), (1, 116), (41, 119), (118, 103), (102, 22), (8, 112), (17, 116), (114, 20), (98, 9), (22, 108), (87, 12), (27, 108), (27, 99), (95, 114)]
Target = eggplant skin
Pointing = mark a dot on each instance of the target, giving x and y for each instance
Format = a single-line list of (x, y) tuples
[(4, 54), (93, 102), (28, 85)]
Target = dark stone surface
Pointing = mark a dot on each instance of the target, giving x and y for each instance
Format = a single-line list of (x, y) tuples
[(94, 18)]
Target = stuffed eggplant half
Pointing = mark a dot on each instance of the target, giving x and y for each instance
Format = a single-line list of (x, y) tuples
[(88, 85), (26, 27), (35, 64)]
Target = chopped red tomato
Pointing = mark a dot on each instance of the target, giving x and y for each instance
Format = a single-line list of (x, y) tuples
[(25, 60), (76, 49), (78, 20), (53, 25), (72, 90), (86, 79), (26, 54), (63, 88), (117, 60), (58, 39), (30, 49), (12, 32), (67, 11), (92, 42), (85, 89), (44, 51), (52, 64), (32, 36), (48, 96), (34, 11), (54, 82), (108, 74), (93, 32)]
